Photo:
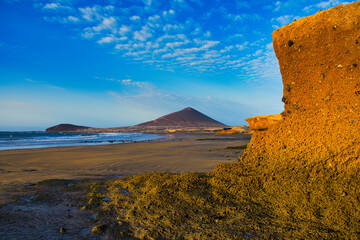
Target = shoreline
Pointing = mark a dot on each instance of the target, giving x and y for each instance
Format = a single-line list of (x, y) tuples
[(84, 142), (177, 153)]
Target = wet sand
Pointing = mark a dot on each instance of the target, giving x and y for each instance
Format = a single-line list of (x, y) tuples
[(19, 168)]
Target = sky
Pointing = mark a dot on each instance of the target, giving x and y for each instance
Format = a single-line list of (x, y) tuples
[(115, 63)]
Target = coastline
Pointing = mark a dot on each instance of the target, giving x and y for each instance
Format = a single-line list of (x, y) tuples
[(177, 153), (33, 140)]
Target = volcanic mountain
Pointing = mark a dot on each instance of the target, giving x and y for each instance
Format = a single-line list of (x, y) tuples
[(66, 128), (188, 117)]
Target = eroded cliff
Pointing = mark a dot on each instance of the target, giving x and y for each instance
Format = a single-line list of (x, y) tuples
[(319, 59)]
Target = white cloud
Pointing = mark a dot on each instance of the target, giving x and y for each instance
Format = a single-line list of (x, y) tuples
[(56, 7), (277, 6), (135, 18), (143, 34), (72, 19), (269, 46), (173, 27), (107, 23), (147, 2), (242, 46), (242, 17), (175, 44), (29, 80), (284, 20), (257, 53), (209, 44), (128, 82), (123, 29), (207, 34), (43, 84), (163, 38), (90, 13), (122, 46), (324, 5), (167, 13), (51, 6), (154, 18), (106, 40)]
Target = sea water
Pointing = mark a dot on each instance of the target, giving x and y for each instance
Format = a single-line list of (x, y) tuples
[(22, 140)]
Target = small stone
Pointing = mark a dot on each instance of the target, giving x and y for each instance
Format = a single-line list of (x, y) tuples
[(290, 43), (323, 75), (283, 99), (344, 194), (355, 65), (287, 87), (357, 93), (340, 66), (356, 41), (106, 199)]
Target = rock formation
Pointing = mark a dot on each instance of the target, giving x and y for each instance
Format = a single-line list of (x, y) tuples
[(259, 123), (234, 130), (319, 59), (188, 117), (64, 127)]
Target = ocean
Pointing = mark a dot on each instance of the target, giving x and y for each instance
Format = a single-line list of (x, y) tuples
[(23, 140)]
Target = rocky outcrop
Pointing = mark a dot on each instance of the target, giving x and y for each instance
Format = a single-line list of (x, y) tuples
[(64, 127), (319, 59), (188, 117), (234, 130), (259, 123)]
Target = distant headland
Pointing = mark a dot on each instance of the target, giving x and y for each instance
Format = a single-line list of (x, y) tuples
[(65, 127), (186, 120)]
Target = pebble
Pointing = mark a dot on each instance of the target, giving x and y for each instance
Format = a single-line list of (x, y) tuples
[(106, 199)]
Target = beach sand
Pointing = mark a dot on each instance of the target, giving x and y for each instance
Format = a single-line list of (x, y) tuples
[(20, 168)]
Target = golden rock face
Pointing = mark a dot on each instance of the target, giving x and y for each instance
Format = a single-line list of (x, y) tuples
[(319, 58), (263, 122)]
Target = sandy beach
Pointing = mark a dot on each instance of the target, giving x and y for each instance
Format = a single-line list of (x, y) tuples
[(19, 168)]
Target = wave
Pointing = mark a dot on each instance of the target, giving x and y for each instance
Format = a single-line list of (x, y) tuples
[(20, 140)]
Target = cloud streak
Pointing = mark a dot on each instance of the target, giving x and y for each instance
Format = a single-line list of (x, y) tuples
[(157, 34)]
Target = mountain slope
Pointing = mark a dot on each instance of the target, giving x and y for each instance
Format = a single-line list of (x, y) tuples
[(65, 128), (188, 117)]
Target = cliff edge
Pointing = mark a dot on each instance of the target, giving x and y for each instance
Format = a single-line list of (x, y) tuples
[(319, 59)]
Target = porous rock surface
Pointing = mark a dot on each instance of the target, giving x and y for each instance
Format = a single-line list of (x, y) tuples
[(319, 58)]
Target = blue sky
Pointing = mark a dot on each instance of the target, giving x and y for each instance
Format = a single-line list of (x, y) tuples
[(119, 63)]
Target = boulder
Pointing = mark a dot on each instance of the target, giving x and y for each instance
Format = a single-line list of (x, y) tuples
[(263, 122)]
